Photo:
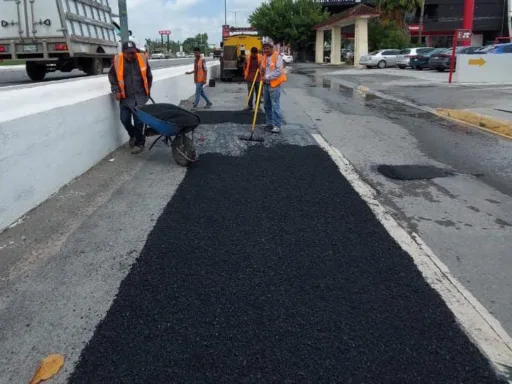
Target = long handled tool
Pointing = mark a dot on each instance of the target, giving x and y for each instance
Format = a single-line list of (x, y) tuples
[(252, 88), (251, 137)]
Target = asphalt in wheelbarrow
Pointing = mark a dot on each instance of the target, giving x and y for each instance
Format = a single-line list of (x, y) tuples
[(172, 114)]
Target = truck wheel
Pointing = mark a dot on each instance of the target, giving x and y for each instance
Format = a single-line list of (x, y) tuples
[(94, 67), (34, 71)]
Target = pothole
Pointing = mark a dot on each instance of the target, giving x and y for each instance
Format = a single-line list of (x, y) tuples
[(413, 172)]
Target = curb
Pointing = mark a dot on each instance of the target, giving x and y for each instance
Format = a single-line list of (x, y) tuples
[(489, 124), (472, 119)]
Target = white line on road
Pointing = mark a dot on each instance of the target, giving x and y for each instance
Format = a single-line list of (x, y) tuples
[(485, 330)]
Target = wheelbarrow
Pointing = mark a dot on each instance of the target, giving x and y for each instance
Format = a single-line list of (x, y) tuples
[(174, 126)]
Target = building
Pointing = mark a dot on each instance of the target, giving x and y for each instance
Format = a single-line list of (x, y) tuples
[(442, 17)]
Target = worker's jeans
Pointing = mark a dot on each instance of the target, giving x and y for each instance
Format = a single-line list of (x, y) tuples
[(200, 93), (254, 95), (134, 129), (271, 98)]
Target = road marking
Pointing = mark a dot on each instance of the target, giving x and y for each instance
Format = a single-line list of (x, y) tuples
[(480, 61), (482, 328)]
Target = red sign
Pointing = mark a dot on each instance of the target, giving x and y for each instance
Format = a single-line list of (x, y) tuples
[(164, 33), (415, 27), (225, 31), (464, 35), (242, 29)]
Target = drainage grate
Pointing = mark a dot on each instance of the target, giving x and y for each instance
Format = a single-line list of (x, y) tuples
[(413, 172), (235, 117)]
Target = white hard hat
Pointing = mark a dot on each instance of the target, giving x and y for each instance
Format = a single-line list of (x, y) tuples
[(267, 41)]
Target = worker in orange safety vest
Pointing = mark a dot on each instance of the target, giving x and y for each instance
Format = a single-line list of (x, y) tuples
[(273, 75), (251, 66), (200, 72), (130, 78)]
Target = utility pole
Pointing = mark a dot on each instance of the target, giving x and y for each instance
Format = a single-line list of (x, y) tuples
[(123, 20), (225, 12)]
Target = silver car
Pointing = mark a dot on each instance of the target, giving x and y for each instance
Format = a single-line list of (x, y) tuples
[(403, 60), (380, 59)]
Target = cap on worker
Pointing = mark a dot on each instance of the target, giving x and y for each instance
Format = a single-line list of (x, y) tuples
[(129, 47)]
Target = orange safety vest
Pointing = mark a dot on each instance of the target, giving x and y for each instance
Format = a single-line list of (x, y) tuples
[(199, 73), (275, 82), (248, 63), (119, 67)]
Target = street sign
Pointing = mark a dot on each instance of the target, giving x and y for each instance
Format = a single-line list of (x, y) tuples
[(415, 27), (480, 61), (464, 35), (225, 31), (164, 33)]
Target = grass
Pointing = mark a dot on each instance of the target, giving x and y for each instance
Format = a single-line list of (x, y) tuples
[(12, 62)]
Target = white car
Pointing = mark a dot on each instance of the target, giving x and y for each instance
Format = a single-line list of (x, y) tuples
[(157, 55), (287, 58)]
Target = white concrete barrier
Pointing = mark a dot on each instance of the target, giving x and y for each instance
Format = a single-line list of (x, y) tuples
[(488, 68), (51, 134)]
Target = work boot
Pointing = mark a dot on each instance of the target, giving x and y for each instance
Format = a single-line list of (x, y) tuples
[(208, 105), (137, 149), (131, 143), (276, 130), (268, 127), (194, 107)]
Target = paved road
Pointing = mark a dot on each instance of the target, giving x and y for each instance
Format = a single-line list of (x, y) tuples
[(260, 264), (17, 76)]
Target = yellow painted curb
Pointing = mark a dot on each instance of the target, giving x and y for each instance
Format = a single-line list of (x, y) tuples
[(485, 123)]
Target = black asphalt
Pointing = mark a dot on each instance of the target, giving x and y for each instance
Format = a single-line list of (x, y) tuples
[(269, 268)]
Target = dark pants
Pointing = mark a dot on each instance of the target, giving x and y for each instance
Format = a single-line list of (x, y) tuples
[(254, 95), (134, 129)]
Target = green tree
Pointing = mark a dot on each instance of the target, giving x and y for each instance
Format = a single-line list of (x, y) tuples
[(395, 10), (289, 21), (384, 34)]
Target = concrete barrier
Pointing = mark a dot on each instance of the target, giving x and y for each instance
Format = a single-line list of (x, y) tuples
[(489, 68), (51, 134)]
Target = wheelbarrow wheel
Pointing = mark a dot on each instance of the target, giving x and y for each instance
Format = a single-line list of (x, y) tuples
[(183, 150)]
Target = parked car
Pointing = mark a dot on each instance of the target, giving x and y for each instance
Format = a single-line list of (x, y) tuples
[(287, 58), (501, 48), (346, 54), (420, 61), (485, 49), (380, 59), (442, 60), (403, 60), (158, 55)]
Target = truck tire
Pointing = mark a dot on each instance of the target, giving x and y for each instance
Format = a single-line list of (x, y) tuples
[(94, 67), (34, 71)]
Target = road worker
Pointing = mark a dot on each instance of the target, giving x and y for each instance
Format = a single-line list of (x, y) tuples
[(273, 75), (251, 66), (200, 72), (130, 78)]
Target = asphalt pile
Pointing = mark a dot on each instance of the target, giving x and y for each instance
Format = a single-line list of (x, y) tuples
[(268, 267), (220, 117)]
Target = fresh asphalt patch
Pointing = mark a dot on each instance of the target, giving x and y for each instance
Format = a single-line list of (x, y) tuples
[(413, 172), (268, 267), (235, 117)]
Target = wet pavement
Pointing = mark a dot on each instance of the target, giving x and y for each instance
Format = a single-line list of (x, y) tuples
[(261, 263)]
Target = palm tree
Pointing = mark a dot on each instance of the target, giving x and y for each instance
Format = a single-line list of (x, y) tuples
[(395, 10)]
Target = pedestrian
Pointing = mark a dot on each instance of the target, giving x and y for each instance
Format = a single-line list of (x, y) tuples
[(130, 78), (273, 75), (200, 75), (251, 66)]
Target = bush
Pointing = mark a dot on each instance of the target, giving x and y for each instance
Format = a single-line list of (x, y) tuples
[(386, 35)]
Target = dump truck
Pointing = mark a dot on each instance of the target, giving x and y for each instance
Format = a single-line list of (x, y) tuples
[(58, 35), (235, 49)]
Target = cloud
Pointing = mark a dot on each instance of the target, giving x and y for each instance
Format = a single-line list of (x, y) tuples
[(185, 18)]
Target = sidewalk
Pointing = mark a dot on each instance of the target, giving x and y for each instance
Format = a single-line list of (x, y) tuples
[(475, 105), (270, 262)]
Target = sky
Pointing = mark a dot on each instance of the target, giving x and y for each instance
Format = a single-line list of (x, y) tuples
[(184, 18)]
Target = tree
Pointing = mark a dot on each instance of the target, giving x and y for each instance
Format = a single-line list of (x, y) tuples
[(395, 10), (386, 35), (288, 21)]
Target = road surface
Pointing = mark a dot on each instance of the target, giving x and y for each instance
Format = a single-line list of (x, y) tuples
[(17, 75), (265, 263)]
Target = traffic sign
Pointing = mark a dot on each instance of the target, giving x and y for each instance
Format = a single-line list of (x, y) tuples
[(480, 61), (464, 35), (164, 33)]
